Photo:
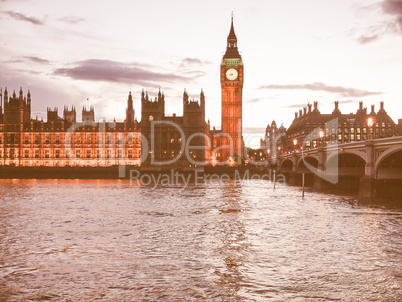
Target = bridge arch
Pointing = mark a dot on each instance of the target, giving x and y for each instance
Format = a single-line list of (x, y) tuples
[(358, 153), (287, 165), (389, 164), (310, 160), (346, 163)]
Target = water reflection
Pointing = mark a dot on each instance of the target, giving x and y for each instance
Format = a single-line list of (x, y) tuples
[(108, 240), (232, 245)]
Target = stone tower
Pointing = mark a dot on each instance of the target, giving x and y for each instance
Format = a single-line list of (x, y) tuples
[(130, 109), (232, 98)]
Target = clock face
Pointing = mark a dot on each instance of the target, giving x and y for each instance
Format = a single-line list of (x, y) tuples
[(231, 74)]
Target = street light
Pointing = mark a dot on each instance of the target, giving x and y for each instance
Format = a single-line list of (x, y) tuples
[(294, 144), (321, 136), (370, 123)]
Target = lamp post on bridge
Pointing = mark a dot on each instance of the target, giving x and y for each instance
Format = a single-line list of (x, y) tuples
[(367, 187), (370, 123), (322, 142)]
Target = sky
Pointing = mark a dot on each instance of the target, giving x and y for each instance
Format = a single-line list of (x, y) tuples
[(294, 52)]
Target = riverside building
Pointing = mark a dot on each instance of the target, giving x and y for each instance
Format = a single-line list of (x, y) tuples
[(62, 141), (311, 129)]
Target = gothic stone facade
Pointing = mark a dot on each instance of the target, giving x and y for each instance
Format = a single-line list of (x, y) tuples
[(64, 141), (174, 141)]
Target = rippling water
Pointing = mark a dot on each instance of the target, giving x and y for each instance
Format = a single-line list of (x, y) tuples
[(69, 240)]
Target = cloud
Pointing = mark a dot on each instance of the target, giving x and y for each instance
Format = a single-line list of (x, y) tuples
[(393, 7), (347, 102), (72, 19), (35, 72), (388, 14), (296, 106), (113, 71), (367, 39), (376, 32), (27, 59), (193, 61), (342, 91), (302, 105), (36, 60), (21, 17), (255, 100)]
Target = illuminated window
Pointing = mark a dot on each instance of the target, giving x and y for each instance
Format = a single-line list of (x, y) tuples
[(151, 118)]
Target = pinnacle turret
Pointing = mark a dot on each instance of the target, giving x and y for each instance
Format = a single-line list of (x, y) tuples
[(231, 49)]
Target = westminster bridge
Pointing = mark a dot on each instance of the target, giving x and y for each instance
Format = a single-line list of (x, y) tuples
[(373, 167)]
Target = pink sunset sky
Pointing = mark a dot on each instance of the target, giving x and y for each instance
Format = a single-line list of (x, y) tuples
[(294, 52)]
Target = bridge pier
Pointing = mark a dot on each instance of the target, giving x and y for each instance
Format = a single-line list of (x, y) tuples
[(292, 179), (318, 182), (367, 188)]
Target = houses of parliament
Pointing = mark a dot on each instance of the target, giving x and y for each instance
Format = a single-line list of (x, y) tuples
[(157, 140)]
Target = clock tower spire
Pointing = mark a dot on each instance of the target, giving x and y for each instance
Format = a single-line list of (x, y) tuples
[(232, 99)]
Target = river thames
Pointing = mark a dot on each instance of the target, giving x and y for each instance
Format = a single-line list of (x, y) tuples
[(109, 240)]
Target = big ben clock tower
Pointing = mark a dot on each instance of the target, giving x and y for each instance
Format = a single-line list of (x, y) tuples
[(232, 95)]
